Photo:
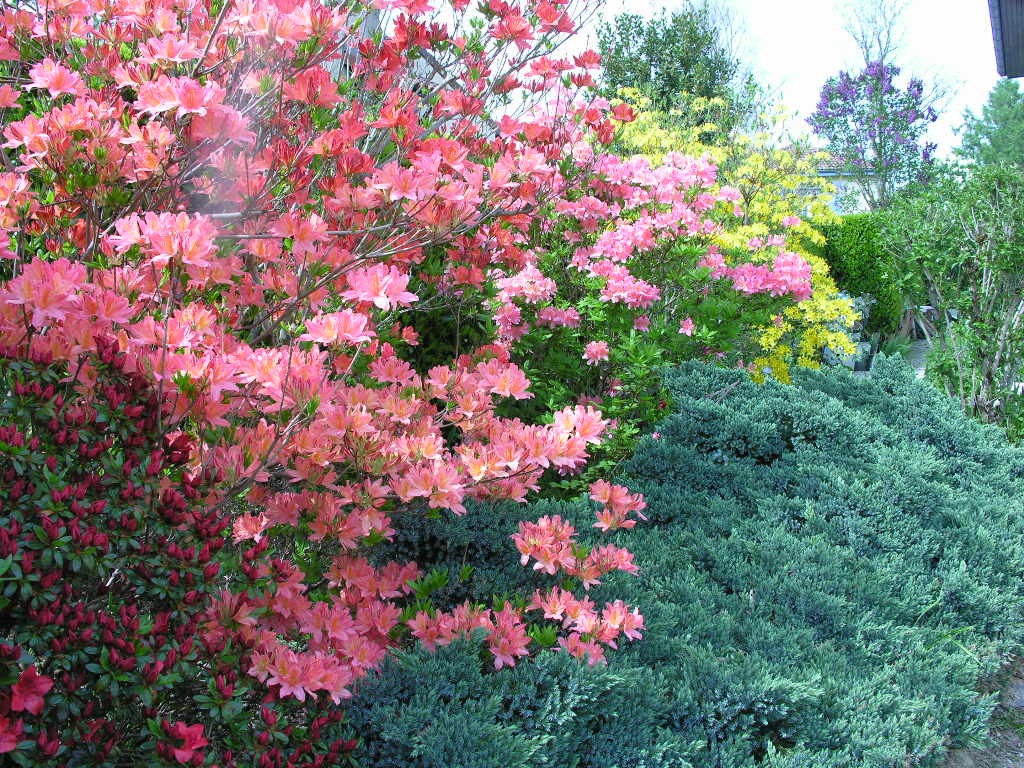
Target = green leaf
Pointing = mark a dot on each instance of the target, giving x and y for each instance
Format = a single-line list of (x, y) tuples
[(429, 583), (546, 635)]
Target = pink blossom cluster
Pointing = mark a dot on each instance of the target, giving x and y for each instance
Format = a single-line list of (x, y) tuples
[(345, 637), (789, 274), (622, 288), (588, 629), (595, 351), (551, 544), (617, 503), (529, 285), (507, 637), (554, 317)]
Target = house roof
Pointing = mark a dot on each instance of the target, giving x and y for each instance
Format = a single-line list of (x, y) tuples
[(1008, 35), (833, 166), (830, 165)]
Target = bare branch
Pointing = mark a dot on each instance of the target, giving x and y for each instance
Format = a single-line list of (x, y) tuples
[(876, 27)]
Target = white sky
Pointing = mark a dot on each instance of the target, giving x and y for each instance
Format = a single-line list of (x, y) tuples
[(793, 46)]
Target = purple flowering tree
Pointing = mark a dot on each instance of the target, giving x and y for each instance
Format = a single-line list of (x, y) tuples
[(876, 129)]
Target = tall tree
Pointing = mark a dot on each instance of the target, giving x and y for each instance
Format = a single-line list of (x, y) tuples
[(676, 59), (876, 129), (876, 27), (997, 135)]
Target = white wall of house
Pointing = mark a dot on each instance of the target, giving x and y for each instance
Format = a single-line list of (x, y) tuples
[(848, 197)]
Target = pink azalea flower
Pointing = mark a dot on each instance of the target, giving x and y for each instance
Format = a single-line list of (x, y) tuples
[(382, 286), (56, 79), (338, 327), (8, 97), (686, 326), (595, 351), (192, 740), (508, 639)]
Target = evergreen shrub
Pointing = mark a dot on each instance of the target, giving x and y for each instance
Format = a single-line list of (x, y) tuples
[(830, 573), (860, 266)]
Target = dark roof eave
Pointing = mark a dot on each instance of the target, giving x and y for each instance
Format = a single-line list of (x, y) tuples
[(997, 35), (1007, 18)]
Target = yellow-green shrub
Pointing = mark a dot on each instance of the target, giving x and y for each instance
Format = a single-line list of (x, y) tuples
[(777, 179)]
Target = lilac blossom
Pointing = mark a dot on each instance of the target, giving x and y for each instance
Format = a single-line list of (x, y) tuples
[(876, 129)]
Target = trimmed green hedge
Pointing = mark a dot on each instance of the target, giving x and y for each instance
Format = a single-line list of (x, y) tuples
[(853, 250), (828, 573)]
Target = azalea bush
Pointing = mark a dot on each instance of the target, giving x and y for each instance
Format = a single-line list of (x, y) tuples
[(249, 199), (249, 229), (270, 208), (781, 206), (642, 284), (668, 257), (116, 645)]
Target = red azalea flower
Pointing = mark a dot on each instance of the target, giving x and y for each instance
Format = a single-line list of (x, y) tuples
[(10, 734), (192, 738), (27, 694)]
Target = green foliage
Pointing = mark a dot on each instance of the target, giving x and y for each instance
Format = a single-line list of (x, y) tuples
[(442, 709), (861, 266), (676, 59), (959, 246), (997, 135), (446, 321), (827, 572)]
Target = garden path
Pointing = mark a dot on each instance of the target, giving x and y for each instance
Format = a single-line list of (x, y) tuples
[(916, 356), (1007, 733)]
